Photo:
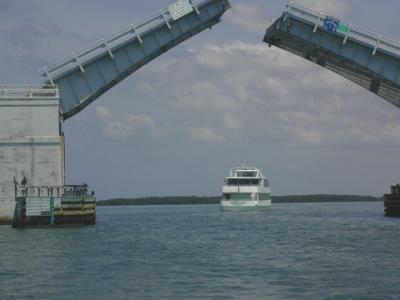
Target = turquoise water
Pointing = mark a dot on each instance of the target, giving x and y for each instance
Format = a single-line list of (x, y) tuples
[(298, 251)]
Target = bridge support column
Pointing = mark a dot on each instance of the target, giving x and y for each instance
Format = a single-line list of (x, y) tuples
[(31, 144)]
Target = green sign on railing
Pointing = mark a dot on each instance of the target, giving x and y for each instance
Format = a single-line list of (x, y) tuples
[(343, 27)]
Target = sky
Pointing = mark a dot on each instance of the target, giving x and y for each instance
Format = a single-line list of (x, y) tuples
[(219, 100)]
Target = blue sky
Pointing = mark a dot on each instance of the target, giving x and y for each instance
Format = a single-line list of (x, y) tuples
[(222, 98)]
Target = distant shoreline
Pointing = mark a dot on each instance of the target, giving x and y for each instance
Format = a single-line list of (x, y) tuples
[(190, 200)]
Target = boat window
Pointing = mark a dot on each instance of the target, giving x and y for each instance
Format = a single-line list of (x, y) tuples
[(226, 196), (266, 183), (243, 181), (264, 196), (242, 196), (246, 174)]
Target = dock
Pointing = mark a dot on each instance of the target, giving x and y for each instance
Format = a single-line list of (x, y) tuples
[(392, 202), (54, 206)]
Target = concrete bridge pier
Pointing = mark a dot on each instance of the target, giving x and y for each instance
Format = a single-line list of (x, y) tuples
[(31, 142)]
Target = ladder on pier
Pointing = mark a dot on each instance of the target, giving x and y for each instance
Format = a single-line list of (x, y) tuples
[(87, 74), (365, 58)]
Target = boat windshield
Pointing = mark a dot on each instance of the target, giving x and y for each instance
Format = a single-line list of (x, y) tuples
[(246, 173), (242, 181)]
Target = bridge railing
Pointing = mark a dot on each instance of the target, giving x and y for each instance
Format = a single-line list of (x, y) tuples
[(52, 191), (28, 91), (129, 33), (347, 30)]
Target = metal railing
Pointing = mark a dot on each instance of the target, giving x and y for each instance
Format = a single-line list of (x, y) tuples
[(109, 43), (28, 91), (374, 40), (395, 190), (233, 172), (52, 191)]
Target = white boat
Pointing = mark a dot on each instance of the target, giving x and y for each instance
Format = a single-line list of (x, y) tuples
[(245, 188)]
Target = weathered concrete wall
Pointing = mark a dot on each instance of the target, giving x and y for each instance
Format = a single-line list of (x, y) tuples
[(30, 144)]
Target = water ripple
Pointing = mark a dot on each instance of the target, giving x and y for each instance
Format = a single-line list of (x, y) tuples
[(302, 251)]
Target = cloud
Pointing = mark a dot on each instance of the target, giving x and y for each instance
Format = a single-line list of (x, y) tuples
[(338, 8), (206, 135), (254, 92), (249, 17), (201, 96), (233, 121), (103, 113), (6, 6), (31, 29), (128, 126), (13, 7)]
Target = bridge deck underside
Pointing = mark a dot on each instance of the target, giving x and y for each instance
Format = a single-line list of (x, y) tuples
[(379, 73)]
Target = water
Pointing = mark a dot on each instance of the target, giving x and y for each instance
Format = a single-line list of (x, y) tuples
[(298, 251)]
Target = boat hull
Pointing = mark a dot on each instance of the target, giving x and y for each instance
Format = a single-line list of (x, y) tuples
[(246, 205)]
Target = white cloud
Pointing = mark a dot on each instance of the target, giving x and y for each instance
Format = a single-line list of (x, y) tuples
[(338, 8), (103, 113), (249, 17), (201, 96), (233, 122), (128, 126), (256, 92), (206, 135)]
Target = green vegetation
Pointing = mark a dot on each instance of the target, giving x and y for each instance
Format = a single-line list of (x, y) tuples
[(187, 200), (160, 201), (323, 198)]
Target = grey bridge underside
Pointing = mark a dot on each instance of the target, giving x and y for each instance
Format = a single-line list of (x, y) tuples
[(83, 83), (379, 73)]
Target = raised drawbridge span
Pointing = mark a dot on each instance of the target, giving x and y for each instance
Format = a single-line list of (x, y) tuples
[(365, 58), (85, 75)]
